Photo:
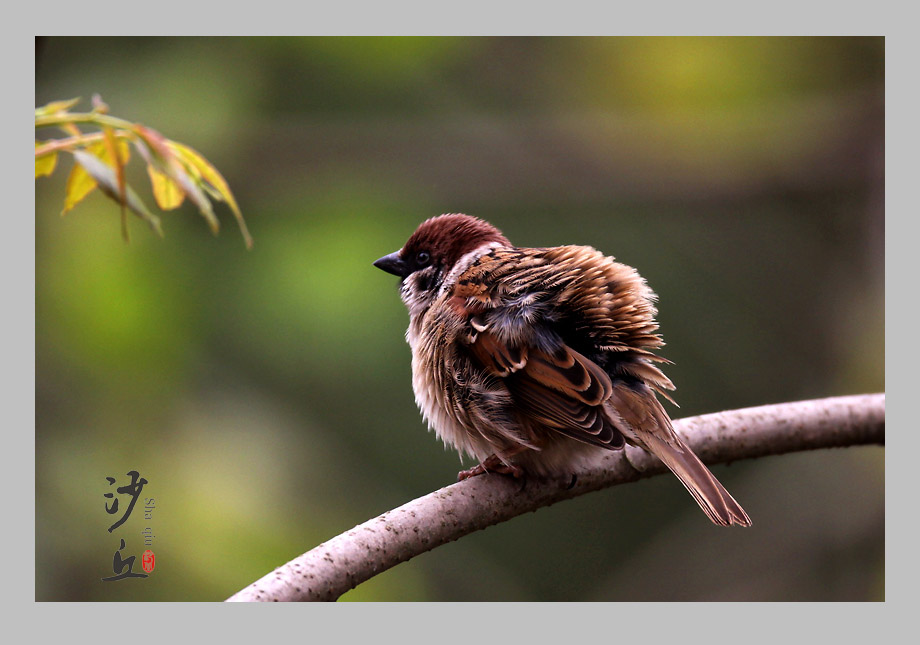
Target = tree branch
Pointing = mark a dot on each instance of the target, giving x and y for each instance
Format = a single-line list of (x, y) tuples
[(345, 561)]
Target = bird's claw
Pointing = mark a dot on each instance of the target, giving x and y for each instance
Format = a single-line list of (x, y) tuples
[(491, 465)]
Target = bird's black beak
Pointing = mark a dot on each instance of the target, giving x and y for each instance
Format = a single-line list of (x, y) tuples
[(394, 264)]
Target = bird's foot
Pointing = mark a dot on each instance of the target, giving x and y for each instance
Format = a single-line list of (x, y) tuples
[(491, 465)]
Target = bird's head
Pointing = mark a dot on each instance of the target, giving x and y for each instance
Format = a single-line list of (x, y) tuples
[(439, 248)]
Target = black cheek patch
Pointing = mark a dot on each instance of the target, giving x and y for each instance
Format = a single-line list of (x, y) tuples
[(426, 281)]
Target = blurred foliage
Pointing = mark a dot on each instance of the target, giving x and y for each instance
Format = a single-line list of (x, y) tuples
[(175, 170), (266, 396)]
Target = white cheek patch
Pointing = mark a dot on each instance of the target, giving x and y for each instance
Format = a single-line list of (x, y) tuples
[(416, 292)]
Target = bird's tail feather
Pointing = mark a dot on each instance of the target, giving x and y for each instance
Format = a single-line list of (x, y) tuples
[(712, 497)]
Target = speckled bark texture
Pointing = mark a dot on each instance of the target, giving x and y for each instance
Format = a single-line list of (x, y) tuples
[(345, 561)]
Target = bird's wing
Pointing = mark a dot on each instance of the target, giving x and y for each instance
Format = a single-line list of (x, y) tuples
[(559, 390), (526, 308)]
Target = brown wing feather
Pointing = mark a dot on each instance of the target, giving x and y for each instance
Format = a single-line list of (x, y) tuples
[(571, 374), (565, 415), (562, 391), (498, 358)]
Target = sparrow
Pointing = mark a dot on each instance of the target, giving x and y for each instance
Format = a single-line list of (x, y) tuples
[(538, 360)]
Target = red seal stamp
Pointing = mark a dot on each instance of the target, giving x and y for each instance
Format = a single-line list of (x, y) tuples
[(148, 561)]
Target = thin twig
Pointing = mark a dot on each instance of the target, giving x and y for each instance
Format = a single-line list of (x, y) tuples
[(342, 563)]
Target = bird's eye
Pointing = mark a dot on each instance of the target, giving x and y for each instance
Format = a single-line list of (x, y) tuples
[(422, 258)]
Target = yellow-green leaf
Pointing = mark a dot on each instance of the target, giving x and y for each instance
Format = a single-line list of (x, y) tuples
[(164, 158), (190, 187), (198, 164), (80, 183), (155, 144), (45, 164), (107, 180), (119, 165), (165, 191), (116, 155), (56, 106)]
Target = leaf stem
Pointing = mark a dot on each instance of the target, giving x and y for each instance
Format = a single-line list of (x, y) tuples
[(68, 144), (94, 118)]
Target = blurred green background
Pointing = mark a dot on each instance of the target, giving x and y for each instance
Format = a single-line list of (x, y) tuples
[(266, 396)]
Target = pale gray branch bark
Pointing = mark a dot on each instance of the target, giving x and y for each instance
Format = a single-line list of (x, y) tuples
[(345, 561)]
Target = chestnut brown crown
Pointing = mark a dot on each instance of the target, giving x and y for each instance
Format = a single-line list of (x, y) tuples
[(440, 242)]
